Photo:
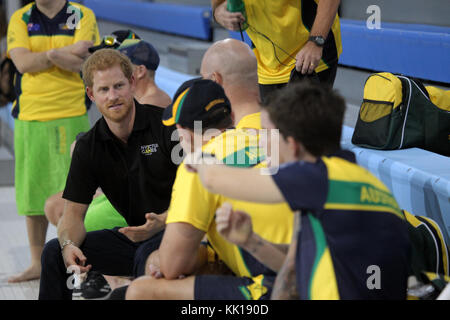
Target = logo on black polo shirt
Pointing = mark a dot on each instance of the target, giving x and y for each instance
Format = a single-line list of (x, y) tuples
[(149, 149)]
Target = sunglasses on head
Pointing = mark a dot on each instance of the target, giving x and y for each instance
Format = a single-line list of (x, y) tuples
[(111, 40)]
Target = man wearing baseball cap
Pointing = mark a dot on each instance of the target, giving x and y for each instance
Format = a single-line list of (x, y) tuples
[(192, 209), (145, 60), (201, 101)]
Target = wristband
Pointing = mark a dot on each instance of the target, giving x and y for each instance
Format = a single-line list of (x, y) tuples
[(66, 243)]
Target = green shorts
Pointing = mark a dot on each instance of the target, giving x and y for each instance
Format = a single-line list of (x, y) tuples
[(102, 215), (42, 159)]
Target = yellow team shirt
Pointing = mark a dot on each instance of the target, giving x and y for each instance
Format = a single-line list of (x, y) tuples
[(287, 24), (53, 93), (192, 203)]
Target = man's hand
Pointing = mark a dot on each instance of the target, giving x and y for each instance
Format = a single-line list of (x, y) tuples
[(235, 226), (229, 20), (80, 48), (72, 255), (155, 223), (308, 58)]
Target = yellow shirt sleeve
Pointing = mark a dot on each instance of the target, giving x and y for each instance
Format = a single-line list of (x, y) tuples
[(17, 36), (191, 202), (88, 27)]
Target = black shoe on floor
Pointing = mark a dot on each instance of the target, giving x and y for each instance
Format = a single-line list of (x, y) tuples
[(95, 287)]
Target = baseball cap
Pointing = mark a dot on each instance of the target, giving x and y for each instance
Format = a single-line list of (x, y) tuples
[(114, 40), (140, 52), (197, 100)]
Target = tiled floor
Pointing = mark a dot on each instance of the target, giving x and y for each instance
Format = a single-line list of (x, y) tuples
[(14, 252)]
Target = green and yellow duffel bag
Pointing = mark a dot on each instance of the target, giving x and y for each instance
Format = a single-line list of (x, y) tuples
[(430, 252), (429, 269), (428, 286), (398, 112)]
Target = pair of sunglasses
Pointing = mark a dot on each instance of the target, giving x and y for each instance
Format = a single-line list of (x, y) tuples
[(111, 41)]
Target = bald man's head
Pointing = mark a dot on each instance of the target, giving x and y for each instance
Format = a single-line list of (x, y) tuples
[(233, 60)]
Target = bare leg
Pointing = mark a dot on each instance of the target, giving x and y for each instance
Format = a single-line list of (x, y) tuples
[(117, 282), (37, 230), (54, 208), (149, 288)]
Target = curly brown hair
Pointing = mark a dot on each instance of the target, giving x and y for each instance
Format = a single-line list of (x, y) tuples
[(104, 59), (310, 113)]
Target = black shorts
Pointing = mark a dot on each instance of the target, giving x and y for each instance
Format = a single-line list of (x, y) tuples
[(218, 287), (326, 76)]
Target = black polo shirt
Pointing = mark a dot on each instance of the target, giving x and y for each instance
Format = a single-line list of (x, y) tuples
[(136, 177)]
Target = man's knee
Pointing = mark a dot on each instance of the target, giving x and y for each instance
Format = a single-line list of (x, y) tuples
[(147, 266), (53, 208), (143, 288), (141, 257)]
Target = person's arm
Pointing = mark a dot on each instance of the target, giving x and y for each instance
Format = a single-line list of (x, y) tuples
[(80, 187), (326, 13), (71, 57), (236, 227), (68, 58), (228, 20), (285, 287), (253, 186), (180, 253), (27, 61), (309, 56), (65, 60), (189, 217), (71, 228), (19, 47)]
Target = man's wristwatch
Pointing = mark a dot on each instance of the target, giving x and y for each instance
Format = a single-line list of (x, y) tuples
[(66, 243), (318, 40)]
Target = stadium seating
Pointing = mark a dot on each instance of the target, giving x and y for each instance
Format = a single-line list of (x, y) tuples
[(183, 20), (419, 179), (416, 50)]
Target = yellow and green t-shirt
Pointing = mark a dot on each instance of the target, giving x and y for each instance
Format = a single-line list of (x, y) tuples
[(193, 204), (287, 24), (354, 241), (53, 93)]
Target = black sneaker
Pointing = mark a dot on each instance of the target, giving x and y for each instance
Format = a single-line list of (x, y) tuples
[(95, 287)]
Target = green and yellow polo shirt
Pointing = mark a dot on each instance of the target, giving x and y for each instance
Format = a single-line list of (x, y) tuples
[(53, 93), (287, 24)]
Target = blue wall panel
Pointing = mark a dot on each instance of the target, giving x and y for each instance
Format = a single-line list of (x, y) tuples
[(415, 50), (190, 21)]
